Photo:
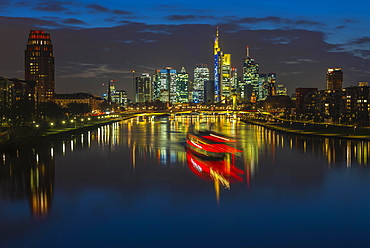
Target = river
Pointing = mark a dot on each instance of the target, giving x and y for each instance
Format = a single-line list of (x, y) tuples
[(132, 184)]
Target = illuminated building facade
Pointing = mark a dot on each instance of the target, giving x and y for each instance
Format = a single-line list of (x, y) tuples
[(201, 74), (93, 101), (120, 97), (281, 90), (13, 91), (304, 98), (39, 64), (156, 84), (334, 79), (143, 88), (250, 77), (271, 87), (182, 86), (234, 79), (217, 68), (167, 79), (226, 81)]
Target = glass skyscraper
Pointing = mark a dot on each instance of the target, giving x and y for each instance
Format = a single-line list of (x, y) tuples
[(250, 77), (201, 74), (182, 86)]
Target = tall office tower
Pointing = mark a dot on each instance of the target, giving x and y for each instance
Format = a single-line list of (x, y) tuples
[(201, 74), (262, 91), (39, 64), (234, 79), (156, 85), (226, 76), (168, 83), (209, 91), (218, 56), (266, 85), (250, 77), (143, 88), (334, 79), (271, 88), (182, 86)]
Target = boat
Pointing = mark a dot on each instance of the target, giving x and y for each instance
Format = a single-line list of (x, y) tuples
[(220, 170), (209, 144)]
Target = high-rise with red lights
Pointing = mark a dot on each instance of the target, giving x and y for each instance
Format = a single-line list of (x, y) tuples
[(39, 65), (334, 79)]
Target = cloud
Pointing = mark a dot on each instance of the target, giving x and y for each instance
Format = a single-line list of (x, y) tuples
[(73, 21), (121, 12), (187, 17), (275, 20), (50, 6), (361, 41), (97, 8), (84, 70), (101, 53)]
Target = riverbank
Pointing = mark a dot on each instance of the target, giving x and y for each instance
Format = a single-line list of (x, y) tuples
[(56, 132), (313, 129)]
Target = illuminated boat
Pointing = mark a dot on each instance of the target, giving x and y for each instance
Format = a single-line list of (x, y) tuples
[(209, 144), (221, 170)]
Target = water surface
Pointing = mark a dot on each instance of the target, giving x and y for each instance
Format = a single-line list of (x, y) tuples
[(132, 184)]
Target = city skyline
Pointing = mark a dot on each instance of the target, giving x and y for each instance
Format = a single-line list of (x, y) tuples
[(87, 53)]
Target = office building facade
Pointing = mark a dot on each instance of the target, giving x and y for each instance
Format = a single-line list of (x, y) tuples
[(39, 65), (334, 79), (201, 74)]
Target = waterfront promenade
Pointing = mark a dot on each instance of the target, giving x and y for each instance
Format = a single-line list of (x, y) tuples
[(310, 128)]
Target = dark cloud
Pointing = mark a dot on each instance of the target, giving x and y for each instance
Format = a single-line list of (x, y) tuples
[(97, 8), (87, 57), (4, 3), (50, 6), (275, 20), (121, 12), (341, 27), (73, 21), (187, 17), (349, 20), (363, 40)]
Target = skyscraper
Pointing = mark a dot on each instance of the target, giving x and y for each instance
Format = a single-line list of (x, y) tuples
[(168, 82), (250, 77), (226, 82), (143, 88), (201, 74), (334, 79), (39, 64), (217, 68), (182, 86)]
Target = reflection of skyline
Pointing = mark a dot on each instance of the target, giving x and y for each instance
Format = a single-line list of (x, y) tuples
[(221, 172), (29, 174), (334, 150)]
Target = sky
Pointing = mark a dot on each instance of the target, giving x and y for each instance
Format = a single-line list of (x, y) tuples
[(95, 41)]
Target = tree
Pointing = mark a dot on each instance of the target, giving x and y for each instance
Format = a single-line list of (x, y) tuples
[(75, 108)]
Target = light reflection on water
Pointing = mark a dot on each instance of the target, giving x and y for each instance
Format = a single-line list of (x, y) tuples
[(146, 147)]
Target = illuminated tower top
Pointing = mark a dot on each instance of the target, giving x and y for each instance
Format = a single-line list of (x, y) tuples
[(334, 79), (216, 44)]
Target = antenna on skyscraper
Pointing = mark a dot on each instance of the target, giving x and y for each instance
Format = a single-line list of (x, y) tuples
[(247, 51)]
